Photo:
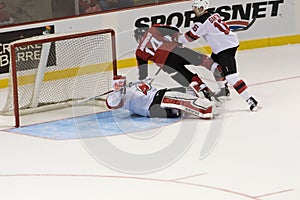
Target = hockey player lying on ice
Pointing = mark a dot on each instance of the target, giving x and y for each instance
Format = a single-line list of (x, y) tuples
[(143, 99)]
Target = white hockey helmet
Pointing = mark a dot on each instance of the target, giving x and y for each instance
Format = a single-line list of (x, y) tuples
[(200, 3)]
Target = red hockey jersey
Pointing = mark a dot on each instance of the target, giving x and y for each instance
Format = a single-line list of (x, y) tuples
[(156, 44)]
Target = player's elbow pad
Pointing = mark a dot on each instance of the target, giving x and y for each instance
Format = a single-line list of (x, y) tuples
[(182, 39)]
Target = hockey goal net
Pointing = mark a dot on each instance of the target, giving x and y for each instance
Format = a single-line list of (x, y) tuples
[(58, 70)]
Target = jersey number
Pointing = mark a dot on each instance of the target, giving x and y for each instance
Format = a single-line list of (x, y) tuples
[(155, 45), (222, 26)]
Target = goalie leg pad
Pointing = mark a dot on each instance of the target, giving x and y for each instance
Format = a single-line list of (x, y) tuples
[(202, 108), (157, 111)]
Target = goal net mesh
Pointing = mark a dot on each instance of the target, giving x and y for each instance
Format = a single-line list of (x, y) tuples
[(57, 70)]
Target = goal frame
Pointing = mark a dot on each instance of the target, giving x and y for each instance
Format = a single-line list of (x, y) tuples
[(13, 63)]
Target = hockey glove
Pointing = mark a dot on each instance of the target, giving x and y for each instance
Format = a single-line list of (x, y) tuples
[(119, 83)]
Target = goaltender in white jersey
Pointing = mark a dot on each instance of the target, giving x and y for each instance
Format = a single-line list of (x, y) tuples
[(143, 99)]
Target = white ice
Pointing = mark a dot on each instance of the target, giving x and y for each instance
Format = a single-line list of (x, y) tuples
[(255, 155)]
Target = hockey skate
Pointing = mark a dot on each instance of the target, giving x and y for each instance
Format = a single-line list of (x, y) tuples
[(222, 94), (253, 104), (206, 93), (201, 91)]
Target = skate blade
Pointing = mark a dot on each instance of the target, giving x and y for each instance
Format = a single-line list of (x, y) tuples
[(256, 108)]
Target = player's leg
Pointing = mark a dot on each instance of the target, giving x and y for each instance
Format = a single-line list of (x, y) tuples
[(114, 98), (223, 93), (229, 68), (195, 58), (175, 66), (199, 107), (191, 57), (156, 111)]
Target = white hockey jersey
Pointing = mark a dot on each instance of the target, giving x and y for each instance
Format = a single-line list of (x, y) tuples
[(137, 99), (215, 31)]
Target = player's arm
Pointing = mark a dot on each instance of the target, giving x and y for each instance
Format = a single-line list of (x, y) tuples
[(114, 100), (190, 35), (168, 30), (142, 68)]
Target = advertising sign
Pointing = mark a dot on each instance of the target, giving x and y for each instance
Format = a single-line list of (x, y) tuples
[(28, 54)]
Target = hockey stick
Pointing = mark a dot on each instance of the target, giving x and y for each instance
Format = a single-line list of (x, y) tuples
[(79, 102), (245, 28), (130, 84), (155, 75), (157, 72)]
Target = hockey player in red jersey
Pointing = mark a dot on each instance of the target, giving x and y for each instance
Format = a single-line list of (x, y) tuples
[(143, 99), (157, 44), (224, 44)]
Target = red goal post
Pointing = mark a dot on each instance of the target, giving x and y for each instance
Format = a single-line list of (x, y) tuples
[(58, 70)]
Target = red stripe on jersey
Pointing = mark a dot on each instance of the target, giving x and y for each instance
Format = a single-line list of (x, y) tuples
[(155, 47), (190, 36), (240, 86)]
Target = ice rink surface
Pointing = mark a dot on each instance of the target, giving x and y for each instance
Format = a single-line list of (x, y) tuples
[(239, 156)]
